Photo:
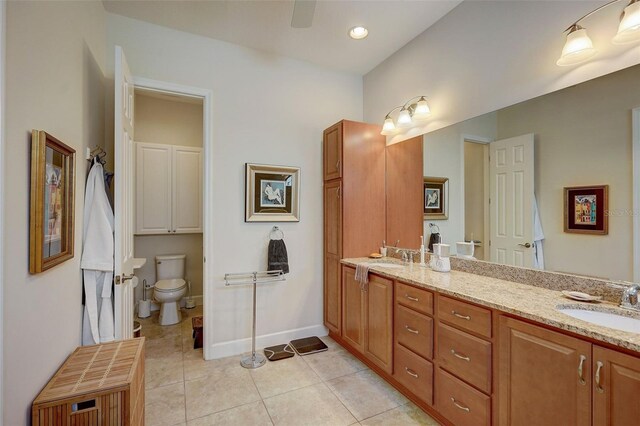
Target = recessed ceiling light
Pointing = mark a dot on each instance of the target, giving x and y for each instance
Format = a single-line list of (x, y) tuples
[(358, 33)]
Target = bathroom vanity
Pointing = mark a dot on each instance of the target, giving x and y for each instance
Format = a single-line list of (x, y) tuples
[(476, 350)]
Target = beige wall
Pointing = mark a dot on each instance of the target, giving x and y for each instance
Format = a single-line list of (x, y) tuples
[(582, 137), (54, 82), (171, 122)]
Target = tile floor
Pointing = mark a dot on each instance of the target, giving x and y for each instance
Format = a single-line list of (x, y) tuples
[(328, 388)]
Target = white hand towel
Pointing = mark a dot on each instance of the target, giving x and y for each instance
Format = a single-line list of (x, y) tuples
[(538, 236), (362, 273)]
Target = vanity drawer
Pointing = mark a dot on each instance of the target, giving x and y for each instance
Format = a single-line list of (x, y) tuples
[(466, 356), (415, 373), (465, 316), (414, 331), (415, 298), (460, 403)]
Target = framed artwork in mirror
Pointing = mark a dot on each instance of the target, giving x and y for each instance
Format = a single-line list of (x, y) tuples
[(51, 221), (272, 193), (586, 209), (436, 198)]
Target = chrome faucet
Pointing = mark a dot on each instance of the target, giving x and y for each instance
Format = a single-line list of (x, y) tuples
[(630, 298)]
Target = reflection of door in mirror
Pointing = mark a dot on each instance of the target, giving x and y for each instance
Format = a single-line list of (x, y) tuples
[(476, 195), (511, 201)]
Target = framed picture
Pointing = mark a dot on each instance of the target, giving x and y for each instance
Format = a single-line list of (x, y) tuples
[(272, 193), (585, 209), (436, 194), (51, 226)]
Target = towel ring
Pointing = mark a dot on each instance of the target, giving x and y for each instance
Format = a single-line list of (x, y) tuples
[(277, 233), (433, 225)]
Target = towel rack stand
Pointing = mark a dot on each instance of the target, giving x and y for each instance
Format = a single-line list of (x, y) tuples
[(254, 360)]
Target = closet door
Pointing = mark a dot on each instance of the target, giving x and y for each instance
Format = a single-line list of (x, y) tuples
[(187, 190), (153, 188)]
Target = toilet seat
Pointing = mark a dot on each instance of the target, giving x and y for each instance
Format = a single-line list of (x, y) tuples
[(165, 286)]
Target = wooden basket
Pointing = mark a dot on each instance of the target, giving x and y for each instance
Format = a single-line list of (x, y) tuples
[(97, 385)]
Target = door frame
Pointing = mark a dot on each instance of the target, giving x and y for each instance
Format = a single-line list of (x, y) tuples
[(635, 144), (3, 26), (208, 203), (482, 141)]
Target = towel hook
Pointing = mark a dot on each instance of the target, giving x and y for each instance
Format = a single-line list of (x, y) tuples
[(277, 232)]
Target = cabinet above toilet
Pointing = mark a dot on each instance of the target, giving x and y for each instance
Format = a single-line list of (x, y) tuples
[(168, 195)]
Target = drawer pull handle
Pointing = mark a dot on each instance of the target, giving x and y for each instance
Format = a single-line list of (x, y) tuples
[(465, 317), (411, 372), (457, 355), (413, 299), (580, 368), (462, 407), (598, 387), (411, 330)]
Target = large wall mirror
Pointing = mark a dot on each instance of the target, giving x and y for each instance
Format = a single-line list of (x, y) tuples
[(503, 164)]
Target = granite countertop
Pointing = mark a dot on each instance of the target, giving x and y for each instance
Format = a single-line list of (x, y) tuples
[(527, 301)]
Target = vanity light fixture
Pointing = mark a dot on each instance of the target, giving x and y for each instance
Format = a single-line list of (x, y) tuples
[(358, 33), (578, 48), (414, 110)]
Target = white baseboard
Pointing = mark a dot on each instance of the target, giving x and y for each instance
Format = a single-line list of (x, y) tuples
[(240, 346)]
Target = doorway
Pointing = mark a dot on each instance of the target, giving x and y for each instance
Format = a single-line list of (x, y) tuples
[(188, 97), (476, 195)]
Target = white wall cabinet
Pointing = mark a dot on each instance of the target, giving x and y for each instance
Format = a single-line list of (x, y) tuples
[(168, 189)]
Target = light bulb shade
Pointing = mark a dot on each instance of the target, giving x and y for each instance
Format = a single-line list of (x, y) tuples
[(629, 28), (577, 49), (422, 110), (404, 118), (388, 127)]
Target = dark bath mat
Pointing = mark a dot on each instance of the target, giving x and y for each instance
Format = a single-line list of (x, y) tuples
[(308, 345), (278, 352)]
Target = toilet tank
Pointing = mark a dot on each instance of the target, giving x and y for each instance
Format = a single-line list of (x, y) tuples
[(170, 266)]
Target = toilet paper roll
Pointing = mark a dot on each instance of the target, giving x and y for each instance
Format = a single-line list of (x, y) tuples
[(144, 309)]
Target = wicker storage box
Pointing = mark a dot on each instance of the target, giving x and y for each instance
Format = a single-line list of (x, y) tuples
[(97, 385)]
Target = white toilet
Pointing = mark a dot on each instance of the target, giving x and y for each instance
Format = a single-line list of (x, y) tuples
[(170, 287)]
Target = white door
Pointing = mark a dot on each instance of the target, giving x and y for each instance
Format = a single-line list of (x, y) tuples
[(123, 198), (187, 189), (153, 188), (511, 201)]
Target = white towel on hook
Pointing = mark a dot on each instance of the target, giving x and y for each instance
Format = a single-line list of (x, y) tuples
[(538, 236), (362, 273)]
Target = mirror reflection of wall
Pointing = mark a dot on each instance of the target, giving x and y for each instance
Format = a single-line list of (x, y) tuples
[(583, 136)]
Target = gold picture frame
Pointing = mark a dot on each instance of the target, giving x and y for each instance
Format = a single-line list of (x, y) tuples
[(51, 219), (272, 193), (435, 198), (586, 209)]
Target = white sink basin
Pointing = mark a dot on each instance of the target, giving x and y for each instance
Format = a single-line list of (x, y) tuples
[(386, 265), (604, 318)]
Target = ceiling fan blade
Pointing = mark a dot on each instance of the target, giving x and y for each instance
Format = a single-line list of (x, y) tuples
[(303, 11)]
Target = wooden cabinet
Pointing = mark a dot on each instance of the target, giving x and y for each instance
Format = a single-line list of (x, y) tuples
[(168, 189), (367, 317), (379, 322), (332, 152), (544, 376), (352, 309), (332, 255), (405, 199), (616, 388), (354, 204), (462, 404)]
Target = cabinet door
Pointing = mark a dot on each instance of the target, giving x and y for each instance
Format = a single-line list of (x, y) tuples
[(544, 376), (332, 255), (379, 322), (153, 188), (352, 309), (332, 152), (616, 388), (187, 190)]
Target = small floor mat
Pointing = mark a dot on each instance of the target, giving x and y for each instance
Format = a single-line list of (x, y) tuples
[(308, 345), (278, 352)]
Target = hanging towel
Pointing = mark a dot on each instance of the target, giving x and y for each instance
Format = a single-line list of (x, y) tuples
[(97, 261), (538, 236), (362, 273), (277, 256)]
